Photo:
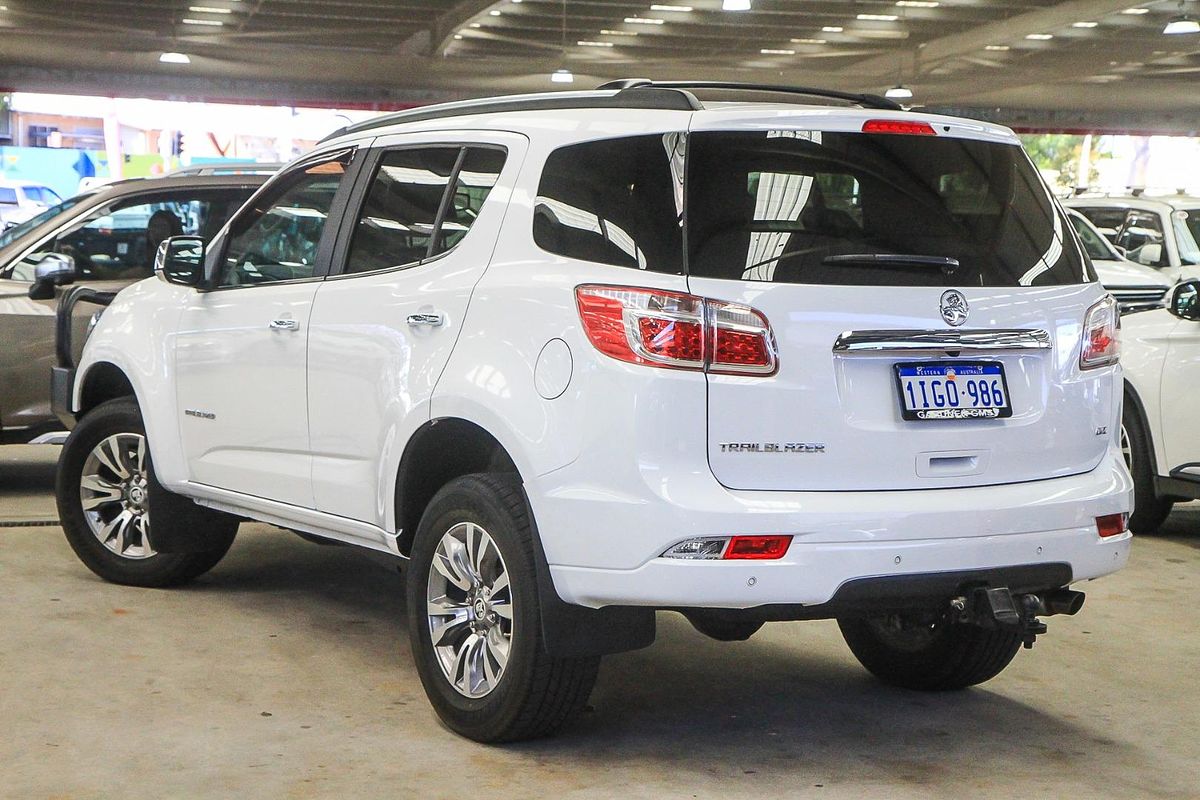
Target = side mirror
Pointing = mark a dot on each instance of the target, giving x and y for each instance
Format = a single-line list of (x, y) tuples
[(1149, 254), (180, 259), (55, 269), (1185, 300)]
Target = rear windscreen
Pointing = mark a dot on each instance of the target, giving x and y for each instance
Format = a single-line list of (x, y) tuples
[(817, 207)]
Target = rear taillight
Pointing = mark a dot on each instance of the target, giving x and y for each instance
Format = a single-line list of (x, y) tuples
[(1112, 525), (732, 548), (1101, 335), (678, 331)]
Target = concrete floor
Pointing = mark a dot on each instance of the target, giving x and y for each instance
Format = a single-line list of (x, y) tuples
[(286, 673)]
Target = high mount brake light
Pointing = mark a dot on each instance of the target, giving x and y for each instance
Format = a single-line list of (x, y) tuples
[(1101, 335), (677, 331), (898, 126)]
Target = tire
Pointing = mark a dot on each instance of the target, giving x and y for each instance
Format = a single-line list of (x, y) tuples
[(1150, 510), (516, 691), (127, 554), (930, 656)]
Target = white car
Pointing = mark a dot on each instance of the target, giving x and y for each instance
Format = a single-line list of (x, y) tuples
[(1160, 437), (575, 358), (1136, 287), (1159, 232), (21, 200)]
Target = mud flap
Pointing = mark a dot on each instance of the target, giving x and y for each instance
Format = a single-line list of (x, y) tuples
[(178, 525)]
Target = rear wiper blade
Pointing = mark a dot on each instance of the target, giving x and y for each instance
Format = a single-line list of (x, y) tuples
[(944, 263)]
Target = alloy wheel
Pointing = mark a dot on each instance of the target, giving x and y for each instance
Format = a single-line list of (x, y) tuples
[(469, 610), (114, 493)]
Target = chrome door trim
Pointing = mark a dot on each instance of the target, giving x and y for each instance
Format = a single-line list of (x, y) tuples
[(952, 342)]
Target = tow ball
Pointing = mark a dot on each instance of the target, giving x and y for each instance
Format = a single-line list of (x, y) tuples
[(998, 608)]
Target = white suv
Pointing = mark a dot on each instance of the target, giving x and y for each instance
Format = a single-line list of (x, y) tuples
[(575, 358)]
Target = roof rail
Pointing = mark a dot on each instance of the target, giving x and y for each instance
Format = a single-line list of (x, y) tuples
[(666, 99), (860, 99)]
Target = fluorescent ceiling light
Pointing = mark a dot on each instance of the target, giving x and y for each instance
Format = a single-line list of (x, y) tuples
[(766, 51), (607, 32), (643, 21), (213, 22), (918, 3), (996, 47), (1040, 37), (809, 41), (657, 7), (1137, 10), (899, 93), (1182, 25), (585, 43), (562, 76), (1084, 24), (210, 10), (879, 17), (495, 12), (833, 29), (735, 5), (174, 58), (476, 25)]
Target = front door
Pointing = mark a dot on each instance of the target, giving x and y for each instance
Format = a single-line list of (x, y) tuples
[(383, 328), (242, 347)]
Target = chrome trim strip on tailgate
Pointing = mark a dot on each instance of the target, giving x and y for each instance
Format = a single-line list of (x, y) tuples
[(955, 342)]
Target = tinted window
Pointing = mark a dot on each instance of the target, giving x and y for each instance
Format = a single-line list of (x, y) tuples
[(8, 196), (1187, 229), (277, 239), (118, 241), (814, 207), (476, 177), (617, 201), (1142, 230), (1107, 220), (399, 214)]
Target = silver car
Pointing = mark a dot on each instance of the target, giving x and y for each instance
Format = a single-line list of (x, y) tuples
[(105, 238)]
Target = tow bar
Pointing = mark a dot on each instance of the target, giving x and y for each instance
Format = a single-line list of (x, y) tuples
[(997, 608)]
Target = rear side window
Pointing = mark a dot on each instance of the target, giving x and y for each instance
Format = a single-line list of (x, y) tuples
[(421, 203), (8, 196), (817, 207), (615, 201)]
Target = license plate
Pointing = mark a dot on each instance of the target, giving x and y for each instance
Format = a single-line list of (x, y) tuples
[(953, 390)]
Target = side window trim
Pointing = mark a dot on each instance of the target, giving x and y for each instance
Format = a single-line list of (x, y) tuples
[(323, 261), (363, 181)]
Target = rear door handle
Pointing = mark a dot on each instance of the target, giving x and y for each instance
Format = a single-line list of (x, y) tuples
[(284, 325), (433, 320)]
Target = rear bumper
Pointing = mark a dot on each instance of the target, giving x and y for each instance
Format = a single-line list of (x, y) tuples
[(603, 548)]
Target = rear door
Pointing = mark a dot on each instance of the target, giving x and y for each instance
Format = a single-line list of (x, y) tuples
[(422, 229), (927, 297)]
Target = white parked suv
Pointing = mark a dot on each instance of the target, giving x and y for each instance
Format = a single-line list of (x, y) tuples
[(575, 358), (1160, 438)]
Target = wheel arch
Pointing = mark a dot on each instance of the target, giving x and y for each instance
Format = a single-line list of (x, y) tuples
[(439, 451), (1134, 400), (102, 381)]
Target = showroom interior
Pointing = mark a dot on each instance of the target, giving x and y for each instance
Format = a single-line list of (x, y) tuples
[(599, 398)]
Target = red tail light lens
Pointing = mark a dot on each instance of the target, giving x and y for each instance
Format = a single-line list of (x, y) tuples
[(1112, 525), (1101, 335), (675, 330), (898, 126), (757, 547)]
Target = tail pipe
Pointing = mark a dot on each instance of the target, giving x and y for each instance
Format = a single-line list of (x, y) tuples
[(1061, 601)]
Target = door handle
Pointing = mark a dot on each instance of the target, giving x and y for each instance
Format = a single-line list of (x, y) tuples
[(434, 319), (284, 325)]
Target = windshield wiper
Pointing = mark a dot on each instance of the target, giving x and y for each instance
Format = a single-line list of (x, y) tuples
[(945, 264)]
